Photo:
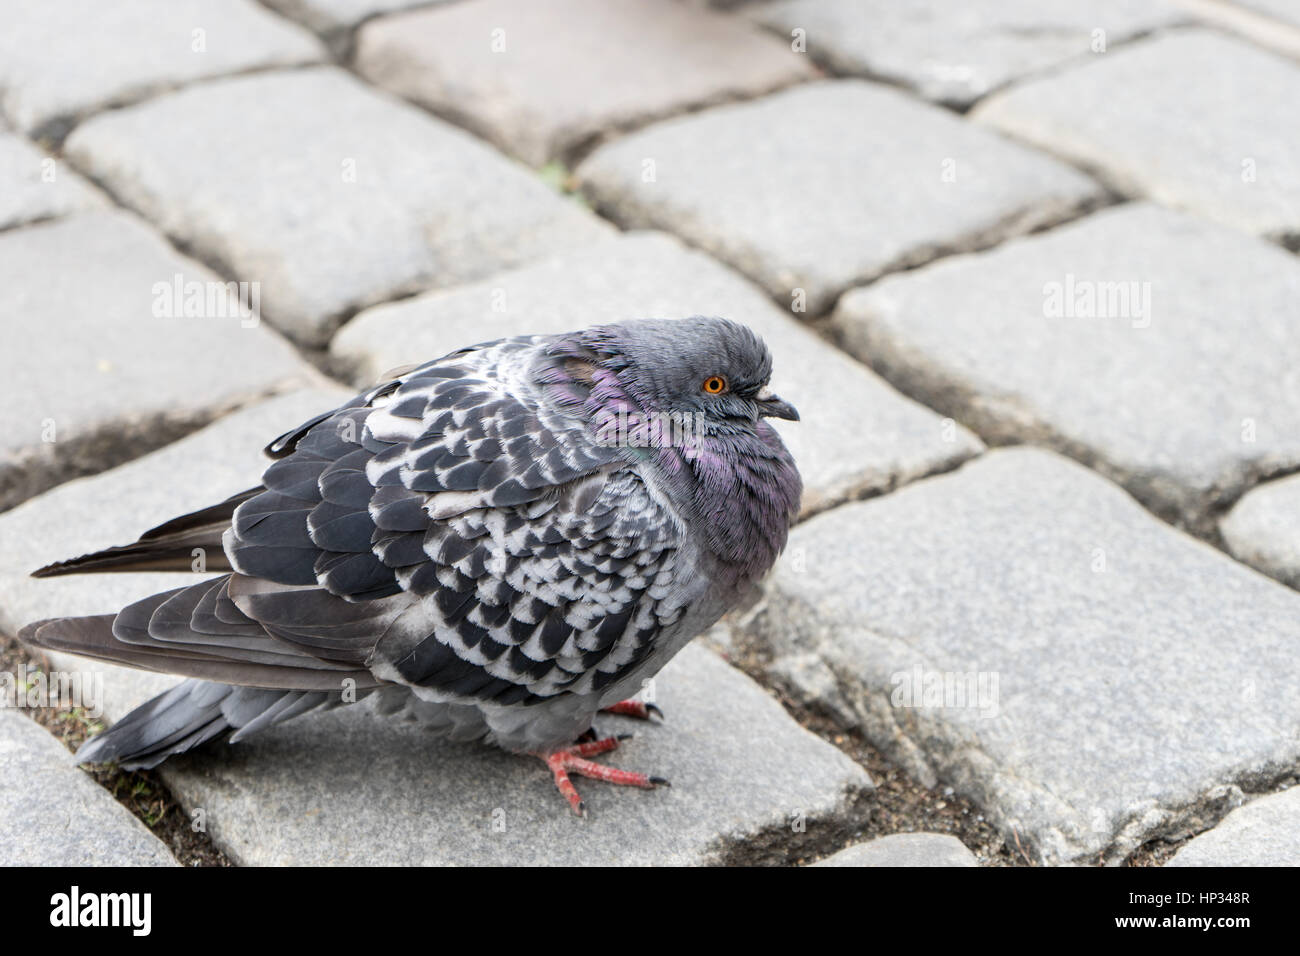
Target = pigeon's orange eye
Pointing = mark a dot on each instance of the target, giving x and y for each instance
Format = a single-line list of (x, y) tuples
[(715, 384)]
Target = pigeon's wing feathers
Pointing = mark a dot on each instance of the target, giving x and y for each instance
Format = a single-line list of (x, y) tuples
[(562, 595), (172, 546), (457, 433)]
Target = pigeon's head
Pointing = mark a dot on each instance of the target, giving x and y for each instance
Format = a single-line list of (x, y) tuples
[(689, 397), (712, 369)]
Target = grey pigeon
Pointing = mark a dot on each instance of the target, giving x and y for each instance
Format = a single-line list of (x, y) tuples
[(502, 542)]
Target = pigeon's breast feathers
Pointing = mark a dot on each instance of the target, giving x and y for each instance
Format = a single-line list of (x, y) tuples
[(688, 398)]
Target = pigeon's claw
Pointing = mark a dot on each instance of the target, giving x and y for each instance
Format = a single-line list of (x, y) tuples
[(635, 708), (575, 759)]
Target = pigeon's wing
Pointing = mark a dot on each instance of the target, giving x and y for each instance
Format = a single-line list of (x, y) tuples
[(499, 552), (463, 431), (443, 530)]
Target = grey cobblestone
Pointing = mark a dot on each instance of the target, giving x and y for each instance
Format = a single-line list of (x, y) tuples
[(798, 192), (52, 814), (63, 59), (34, 186), (905, 849), (79, 299), (540, 79), (1263, 529), (957, 53), (1265, 31), (1261, 833), (1023, 630), (1209, 142), (402, 798), (331, 195), (1121, 323)]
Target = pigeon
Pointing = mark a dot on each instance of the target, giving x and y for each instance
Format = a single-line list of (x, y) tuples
[(502, 543)]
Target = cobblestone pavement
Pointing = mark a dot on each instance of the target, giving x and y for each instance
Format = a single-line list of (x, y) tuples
[(1066, 226)]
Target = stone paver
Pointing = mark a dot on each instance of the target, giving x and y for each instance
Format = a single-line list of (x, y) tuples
[(1263, 529), (52, 814), (905, 849), (63, 59), (351, 787), (402, 797), (541, 78), (800, 191), (1025, 631), (956, 53), (1160, 348), (34, 186), (1264, 832), (856, 434), (98, 365), (335, 18), (332, 195), (1209, 143)]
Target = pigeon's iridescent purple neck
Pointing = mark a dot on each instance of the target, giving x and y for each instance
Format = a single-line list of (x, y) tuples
[(745, 490), (739, 484)]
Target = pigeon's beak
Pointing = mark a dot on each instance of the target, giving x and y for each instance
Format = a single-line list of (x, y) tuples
[(773, 406)]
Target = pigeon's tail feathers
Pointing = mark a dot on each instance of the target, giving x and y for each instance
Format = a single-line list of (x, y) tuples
[(172, 546), (195, 631), (88, 637), (192, 713)]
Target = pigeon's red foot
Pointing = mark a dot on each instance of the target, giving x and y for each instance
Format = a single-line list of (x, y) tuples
[(634, 708), (575, 760)]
